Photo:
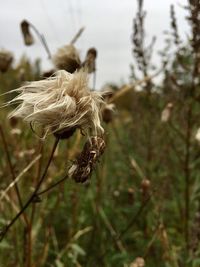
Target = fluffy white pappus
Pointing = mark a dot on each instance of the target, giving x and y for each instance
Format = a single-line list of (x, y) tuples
[(61, 102)]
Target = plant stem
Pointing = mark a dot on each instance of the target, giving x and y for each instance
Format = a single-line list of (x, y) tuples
[(34, 194), (53, 185), (42, 39), (187, 178), (12, 171)]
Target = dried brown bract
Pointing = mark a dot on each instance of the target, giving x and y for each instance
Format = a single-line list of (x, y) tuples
[(25, 28), (89, 62), (48, 73), (82, 168), (6, 59)]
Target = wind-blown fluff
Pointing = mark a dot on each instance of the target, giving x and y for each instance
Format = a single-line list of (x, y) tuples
[(60, 103)]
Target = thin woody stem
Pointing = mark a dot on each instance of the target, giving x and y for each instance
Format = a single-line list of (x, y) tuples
[(12, 171), (42, 39), (53, 185), (34, 194)]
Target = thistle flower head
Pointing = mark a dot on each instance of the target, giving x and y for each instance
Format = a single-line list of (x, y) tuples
[(60, 103), (67, 58), (6, 59), (25, 28)]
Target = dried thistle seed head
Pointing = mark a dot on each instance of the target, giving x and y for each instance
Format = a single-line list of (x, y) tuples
[(6, 59), (82, 168), (108, 112), (28, 38), (60, 103), (89, 62), (67, 58), (166, 113)]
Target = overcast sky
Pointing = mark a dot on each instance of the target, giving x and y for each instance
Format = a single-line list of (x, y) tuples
[(108, 27)]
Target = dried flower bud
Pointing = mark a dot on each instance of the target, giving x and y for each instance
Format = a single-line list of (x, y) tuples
[(116, 193), (13, 122), (108, 112), (197, 135), (138, 262), (166, 113), (67, 58), (6, 59), (145, 188), (82, 168), (89, 62), (131, 195), (28, 38)]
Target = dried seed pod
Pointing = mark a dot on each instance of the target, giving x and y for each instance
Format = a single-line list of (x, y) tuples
[(140, 262), (166, 113), (131, 195), (197, 135), (145, 188), (108, 112), (6, 59), (28, 38), (89, 62), (13, 122), (67, 58), (82, 168)]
